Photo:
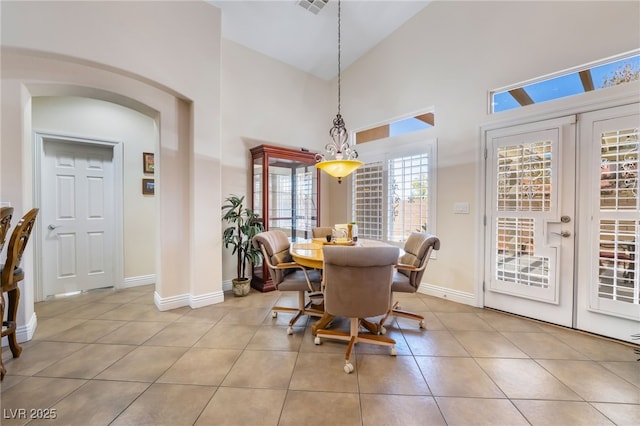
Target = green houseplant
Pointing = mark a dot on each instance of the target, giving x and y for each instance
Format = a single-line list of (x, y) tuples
[(244, 224)]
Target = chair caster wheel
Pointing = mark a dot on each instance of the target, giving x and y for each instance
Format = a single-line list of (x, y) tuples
[(422, 325), (348, 368), (289, 330), (383, 330), (317, 340), (274, 314), (394, 352)]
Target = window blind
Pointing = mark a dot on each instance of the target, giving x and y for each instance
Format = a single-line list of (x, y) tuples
[(393, 194), (368, 200)]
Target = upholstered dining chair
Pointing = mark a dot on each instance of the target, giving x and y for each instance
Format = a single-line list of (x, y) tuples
[(5, 223), (321, 231), (287, 275), (357, 284), (10, 276), (409, 273)]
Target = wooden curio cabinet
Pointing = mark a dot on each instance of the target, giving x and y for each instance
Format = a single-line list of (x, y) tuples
[(286, 194)]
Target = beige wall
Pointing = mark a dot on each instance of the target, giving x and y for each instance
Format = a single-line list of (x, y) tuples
[(265, 101), (96, 119), (449, 56), (168, 68)]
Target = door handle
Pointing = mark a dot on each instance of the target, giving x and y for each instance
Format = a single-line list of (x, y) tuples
[(564, 234), (52, 227)]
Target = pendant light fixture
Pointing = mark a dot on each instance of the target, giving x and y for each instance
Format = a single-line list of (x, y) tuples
[(344, 162)]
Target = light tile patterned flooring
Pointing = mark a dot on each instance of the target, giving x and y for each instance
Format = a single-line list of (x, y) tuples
[(111, 358)]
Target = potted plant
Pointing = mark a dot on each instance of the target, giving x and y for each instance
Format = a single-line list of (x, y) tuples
[(244, 224)]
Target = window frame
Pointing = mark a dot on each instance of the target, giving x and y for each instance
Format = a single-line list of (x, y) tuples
[(521, 86), (409, 144)]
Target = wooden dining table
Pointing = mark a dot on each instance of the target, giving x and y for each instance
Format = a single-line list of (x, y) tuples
[(309, 253)]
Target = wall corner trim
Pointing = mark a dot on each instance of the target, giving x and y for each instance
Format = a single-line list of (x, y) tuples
[(194, 302), (24, 333)]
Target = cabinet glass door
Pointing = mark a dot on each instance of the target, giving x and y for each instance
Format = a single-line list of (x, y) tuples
[(292, 197)]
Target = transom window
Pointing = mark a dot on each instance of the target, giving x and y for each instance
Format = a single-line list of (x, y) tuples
[(613, 72), (396, 128)]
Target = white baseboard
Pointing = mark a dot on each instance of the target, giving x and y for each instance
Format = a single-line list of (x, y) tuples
[(174, 302), (226, 285), (138, 281), (206, 299), (448, 294), (24, 333), (168, 303)]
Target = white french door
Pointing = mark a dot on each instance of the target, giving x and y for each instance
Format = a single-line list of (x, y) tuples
[(537, 175), (609, 287), (530, 220), (78, 217)]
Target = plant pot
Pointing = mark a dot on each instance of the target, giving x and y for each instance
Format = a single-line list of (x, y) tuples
[(241, 287)]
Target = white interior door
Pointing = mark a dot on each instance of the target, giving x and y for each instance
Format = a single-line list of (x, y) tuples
[(78, 217), (530, 220), (609, 289)]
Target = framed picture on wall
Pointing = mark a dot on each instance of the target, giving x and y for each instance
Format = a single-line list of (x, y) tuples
[(148, 162), (148, 186)]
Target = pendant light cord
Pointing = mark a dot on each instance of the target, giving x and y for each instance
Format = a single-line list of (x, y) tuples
[(339, 48)]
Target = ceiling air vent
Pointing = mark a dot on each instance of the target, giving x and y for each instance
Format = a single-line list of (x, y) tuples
[(313, 6)]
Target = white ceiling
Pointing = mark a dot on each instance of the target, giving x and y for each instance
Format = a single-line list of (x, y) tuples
[(284, 30)]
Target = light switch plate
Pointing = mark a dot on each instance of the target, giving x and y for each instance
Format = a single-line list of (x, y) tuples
[(461, 208)]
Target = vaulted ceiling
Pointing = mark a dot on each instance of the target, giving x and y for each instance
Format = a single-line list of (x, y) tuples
[(297, 33)]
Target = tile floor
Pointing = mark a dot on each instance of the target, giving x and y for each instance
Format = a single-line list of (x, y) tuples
[(111, 358)]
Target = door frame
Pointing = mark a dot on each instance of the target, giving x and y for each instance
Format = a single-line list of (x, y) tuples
[(557, 305), (40, 138), (597, 100)]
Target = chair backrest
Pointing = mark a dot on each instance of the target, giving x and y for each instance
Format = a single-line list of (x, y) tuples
[(321, 231), (417, 251), (17, 244), (357, 280), (275, 249), (5, 222)]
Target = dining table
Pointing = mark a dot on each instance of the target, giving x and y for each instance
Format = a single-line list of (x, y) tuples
[(309, 253)]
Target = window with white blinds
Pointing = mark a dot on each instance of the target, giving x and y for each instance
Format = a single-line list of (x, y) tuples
[(393, 194), (368, 200)]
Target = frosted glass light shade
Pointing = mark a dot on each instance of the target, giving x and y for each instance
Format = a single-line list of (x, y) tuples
[(339, 168)]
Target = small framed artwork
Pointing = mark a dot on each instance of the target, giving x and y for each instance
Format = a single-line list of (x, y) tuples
[(148, 162), (148, 186)]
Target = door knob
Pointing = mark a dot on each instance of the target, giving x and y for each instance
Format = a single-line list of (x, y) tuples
[(564, 234), (52, 227)]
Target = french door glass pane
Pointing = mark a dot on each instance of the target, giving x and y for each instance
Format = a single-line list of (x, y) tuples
[(618, 260), (524, 182), (619, 210), (515, 259), (619, 170), (524, 177)]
